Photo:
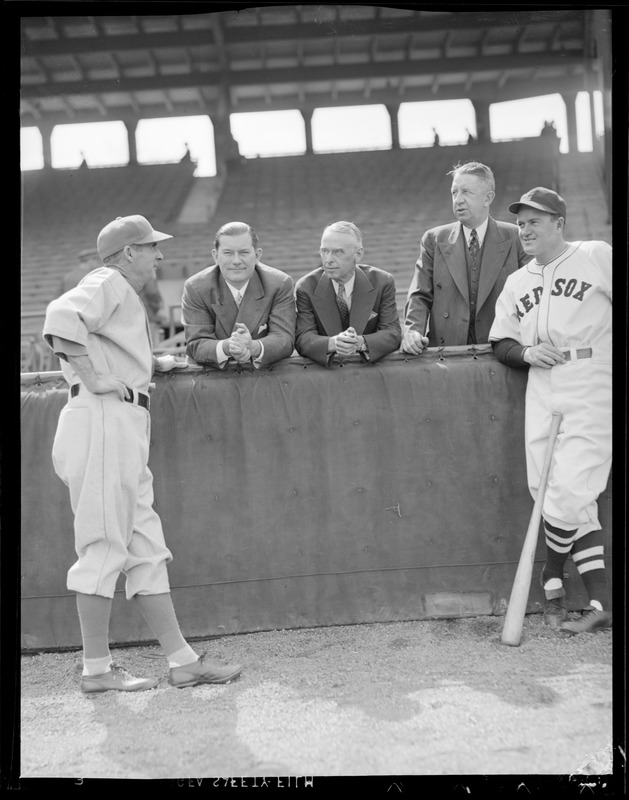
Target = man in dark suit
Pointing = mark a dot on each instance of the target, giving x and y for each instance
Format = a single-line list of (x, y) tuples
[(239, 309), (462, 268), (344, 307)]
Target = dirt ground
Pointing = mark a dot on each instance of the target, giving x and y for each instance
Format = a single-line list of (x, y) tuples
[(395, 700)]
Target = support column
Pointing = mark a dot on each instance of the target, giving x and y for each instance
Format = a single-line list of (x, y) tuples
[(226, 147), (131, 126), (46, 133), (571, 120), (483, 130), (395, 128), (221, 138), (307, 115)]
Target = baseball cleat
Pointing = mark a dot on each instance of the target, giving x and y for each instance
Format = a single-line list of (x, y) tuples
[(200, 672), (555, 611), (116, 679), (592, 620)]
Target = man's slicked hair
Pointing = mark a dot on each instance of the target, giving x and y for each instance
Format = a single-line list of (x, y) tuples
[(235, 229)]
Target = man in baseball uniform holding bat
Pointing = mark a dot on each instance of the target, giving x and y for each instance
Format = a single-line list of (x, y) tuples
[(100, 331), (554, 316)]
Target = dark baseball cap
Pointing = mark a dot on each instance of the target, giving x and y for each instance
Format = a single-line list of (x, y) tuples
[(543, 200), (127, 230)]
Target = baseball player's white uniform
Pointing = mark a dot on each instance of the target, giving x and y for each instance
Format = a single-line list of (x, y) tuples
[(101, 445), (566, 303)]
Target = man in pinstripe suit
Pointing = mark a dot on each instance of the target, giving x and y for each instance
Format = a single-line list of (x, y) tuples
[(462, 268)]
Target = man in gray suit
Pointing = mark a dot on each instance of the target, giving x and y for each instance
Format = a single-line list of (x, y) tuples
[(462, 268), (238, 309), (345, 308)]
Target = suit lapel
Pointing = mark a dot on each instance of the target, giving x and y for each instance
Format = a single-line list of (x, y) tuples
[(253, 304), (453, 253), (495, 251), (225, 310), (362, 301), (324, 303)]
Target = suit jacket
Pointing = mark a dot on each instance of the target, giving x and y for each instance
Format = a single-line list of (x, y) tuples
[(373, 313), (438, 296), (209, 313)]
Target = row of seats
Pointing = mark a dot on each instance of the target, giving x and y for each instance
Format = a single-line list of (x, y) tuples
[(64, 197)]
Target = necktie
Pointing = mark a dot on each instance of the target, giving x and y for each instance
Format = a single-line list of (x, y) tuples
[(238, 299), (474, 245), (342, 304)]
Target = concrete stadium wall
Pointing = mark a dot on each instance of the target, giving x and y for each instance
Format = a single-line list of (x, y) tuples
[(298, 497)]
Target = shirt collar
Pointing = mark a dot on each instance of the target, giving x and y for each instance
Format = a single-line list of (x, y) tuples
[(349, 285), (480, 232), (235, 291)]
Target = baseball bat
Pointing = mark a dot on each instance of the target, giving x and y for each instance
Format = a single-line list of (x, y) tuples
[(514, 618)]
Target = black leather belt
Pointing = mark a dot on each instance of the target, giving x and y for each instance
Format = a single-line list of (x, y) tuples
[(130, 397), (584, 352)]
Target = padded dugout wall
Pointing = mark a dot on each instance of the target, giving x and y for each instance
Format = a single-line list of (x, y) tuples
[(299, 496)]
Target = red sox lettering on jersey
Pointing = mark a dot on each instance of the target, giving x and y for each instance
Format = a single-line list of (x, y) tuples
[(563, 286)]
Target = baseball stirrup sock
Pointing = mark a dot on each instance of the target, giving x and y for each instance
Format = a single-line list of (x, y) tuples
[(558, 545), (94, 613), (159, 614), (587, 554)]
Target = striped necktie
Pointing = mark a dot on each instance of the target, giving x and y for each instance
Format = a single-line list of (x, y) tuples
[(474, 244), (238, 299), (343, 307)]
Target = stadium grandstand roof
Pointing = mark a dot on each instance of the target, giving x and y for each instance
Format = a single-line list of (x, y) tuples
[(260, 58)]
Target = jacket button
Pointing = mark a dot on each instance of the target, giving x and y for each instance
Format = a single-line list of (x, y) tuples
[(446, 314)]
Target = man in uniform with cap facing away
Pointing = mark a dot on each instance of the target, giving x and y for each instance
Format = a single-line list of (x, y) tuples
[(99, 330), (554, 316)]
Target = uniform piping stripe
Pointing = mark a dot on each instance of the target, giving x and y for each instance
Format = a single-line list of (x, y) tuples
[(590, 565), (560, 540), (591, 551), (558, 549)]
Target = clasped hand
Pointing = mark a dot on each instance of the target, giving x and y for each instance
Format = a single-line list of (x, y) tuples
[(239, 344), (346, 342)]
